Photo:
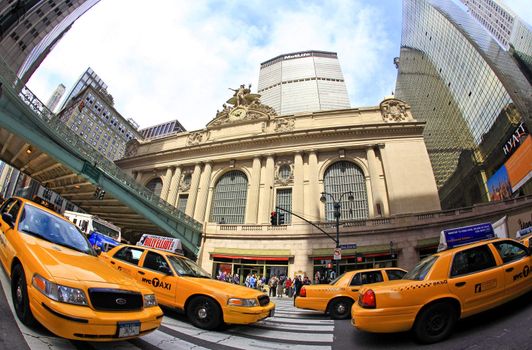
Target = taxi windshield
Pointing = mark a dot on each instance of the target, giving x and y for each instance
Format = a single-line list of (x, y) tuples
[(39, 223), (419, 272), (185, 267)]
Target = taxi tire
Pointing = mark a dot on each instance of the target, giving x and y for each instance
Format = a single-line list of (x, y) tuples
[(204, 313), (340, 309), (435, 322), (21, 301)]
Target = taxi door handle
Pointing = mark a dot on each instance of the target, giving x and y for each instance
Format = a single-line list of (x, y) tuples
[(142, 273), (510, 269), (354, 290), (460, 284), (112, 262)]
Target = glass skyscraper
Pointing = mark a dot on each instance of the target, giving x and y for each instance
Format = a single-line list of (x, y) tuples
[(470, 92), (29, 29), (307, 81)]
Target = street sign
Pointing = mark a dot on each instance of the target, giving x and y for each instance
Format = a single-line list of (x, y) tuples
[(337, 254), (348, 246)]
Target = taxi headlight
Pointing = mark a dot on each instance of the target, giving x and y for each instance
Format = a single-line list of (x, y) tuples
[(150, 300), (58, 292), (242, 302)]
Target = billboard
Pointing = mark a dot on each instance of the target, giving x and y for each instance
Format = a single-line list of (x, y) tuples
[(513, 174)]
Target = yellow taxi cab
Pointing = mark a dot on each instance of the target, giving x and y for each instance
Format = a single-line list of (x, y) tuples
[(58, 279), (337, 297), (447, 286), (184, 286)]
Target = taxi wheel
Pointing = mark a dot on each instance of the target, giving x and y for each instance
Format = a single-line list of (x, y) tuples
[(19, 294), (340, 309), (435, 322), (204, 313)]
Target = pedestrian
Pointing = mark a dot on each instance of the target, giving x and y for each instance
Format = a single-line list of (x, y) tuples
[(236, 279), (297, 286), (280, 289), (288, 285)]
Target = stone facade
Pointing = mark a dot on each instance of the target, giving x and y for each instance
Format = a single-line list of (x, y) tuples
[(384, 142)]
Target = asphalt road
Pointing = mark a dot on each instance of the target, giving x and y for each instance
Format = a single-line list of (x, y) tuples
[(507, 327)]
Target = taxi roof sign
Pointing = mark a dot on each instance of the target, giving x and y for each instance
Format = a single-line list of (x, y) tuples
[(168, 244), (456, 237)]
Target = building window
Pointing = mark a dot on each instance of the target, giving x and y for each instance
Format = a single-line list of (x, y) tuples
[(342, 177), (155, 185), (284, 200), (182, 202), (229, 198)]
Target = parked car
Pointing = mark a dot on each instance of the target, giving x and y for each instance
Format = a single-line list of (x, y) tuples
[(445, 287), (182, 285), (58, 279), (337, 297)]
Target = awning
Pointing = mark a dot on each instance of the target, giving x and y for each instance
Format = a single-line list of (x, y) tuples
[(428, 242), (368, 250), (252, 254)]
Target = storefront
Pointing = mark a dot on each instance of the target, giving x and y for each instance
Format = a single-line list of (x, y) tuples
[(260, 262), (365, 257), (427, 247)]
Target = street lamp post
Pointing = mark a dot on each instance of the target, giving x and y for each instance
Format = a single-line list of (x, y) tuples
[(336, 207)]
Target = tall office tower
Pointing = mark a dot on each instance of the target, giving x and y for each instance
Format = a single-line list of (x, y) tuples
[(162, 130), (510, 31), (56, 96), (29, 29), (471, 94), (89, 78), (92, 116), (307, 81)]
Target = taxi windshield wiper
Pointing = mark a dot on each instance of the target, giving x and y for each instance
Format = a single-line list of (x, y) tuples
[(37, 234)]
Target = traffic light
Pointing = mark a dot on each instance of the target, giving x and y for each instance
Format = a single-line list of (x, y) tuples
[(273, 218), (281, 218), (99, 193)]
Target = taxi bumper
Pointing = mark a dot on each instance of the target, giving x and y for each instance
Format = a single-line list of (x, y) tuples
[(246, 315), (391, 320), (317, 304), (83, 323)]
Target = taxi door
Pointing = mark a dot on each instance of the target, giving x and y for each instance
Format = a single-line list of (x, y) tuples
[(155, 273), (7, 233), (516, 265), (476, 279), (126, 260)]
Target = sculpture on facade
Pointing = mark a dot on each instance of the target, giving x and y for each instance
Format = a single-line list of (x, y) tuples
[(242, 106), (393, 110)]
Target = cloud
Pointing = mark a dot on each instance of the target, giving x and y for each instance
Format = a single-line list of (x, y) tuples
[(176, 60)]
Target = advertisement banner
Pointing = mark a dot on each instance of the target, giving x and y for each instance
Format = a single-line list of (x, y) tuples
[(519, 166), (464, 235), (499, 185)]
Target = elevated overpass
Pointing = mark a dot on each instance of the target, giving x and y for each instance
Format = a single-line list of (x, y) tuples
[(41, 146)]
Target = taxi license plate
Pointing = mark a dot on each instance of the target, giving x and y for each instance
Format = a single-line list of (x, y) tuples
[(128, 329), (272, 312)]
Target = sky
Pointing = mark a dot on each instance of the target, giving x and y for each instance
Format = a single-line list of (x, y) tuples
[(175, 59)]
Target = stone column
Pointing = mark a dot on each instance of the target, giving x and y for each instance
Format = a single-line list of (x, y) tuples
[(252, 205), (298, 199), (138, 176), (166, 183), (201, 203), (312, 209), (174, 186), (193, 192), (267, 191)]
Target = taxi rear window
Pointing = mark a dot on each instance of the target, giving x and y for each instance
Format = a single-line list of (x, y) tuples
[(419, 272)]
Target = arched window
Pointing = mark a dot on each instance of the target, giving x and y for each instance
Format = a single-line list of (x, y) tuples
[(155, 185), (342, 177), (229, 198)]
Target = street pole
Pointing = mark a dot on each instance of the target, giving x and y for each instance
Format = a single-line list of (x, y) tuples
[(337, 215)]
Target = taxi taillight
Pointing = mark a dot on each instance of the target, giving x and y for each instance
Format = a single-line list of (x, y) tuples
[(303, 292), (368, 300)]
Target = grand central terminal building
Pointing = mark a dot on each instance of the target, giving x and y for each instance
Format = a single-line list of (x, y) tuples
[(371, 162)]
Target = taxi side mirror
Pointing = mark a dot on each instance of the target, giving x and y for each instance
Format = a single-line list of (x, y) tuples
[(8, 218)]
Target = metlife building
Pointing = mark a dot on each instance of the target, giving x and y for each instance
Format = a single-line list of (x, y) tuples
[(307, 81)]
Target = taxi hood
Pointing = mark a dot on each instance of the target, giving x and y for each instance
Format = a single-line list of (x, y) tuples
[(232, 290), (68, 264)]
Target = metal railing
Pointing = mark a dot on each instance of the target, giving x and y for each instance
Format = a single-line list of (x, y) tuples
[(62, 134)]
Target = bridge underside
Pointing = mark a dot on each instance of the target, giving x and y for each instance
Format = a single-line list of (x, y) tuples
[(74, 187)]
